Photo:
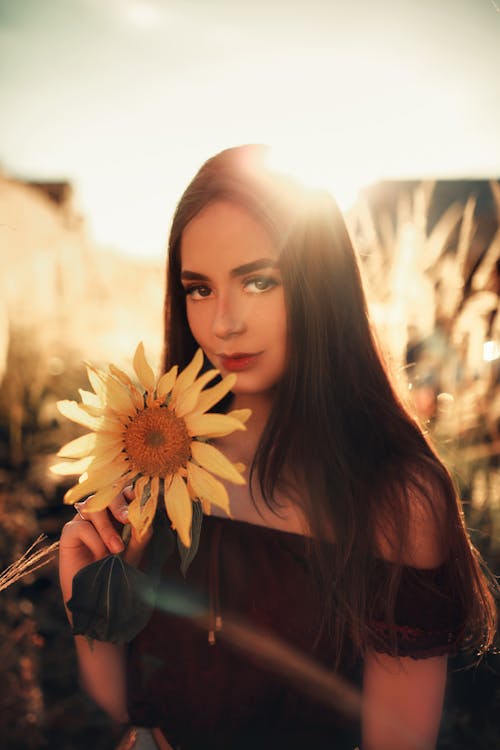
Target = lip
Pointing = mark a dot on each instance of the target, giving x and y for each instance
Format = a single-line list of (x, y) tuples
[(238, 361)]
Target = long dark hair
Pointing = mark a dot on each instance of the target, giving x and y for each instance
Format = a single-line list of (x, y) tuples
[(336, 417)]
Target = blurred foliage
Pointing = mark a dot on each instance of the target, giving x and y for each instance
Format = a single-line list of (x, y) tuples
[(434, 299), (433, 293)]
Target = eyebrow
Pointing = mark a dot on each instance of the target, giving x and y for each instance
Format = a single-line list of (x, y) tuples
[(255, 265)]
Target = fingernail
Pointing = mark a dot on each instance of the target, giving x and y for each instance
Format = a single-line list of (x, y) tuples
[(115, 544), (123, 513)]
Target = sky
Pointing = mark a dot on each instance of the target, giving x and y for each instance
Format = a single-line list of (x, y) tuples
[(126, 98)]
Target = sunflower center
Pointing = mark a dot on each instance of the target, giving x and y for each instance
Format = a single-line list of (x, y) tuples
[(157, 442)]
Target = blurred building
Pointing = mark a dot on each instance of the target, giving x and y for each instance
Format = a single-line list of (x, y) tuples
[(63, 291)]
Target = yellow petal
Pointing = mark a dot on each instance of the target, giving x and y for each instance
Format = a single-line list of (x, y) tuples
[(166, 382), (211, 425), (79, 447), (110, 472), (179, 508), (141, 515), (242, 414), (187, 400), (214, 461), (137, 398), (106, 440), (135, 394), (93, 411), (79, 414), (120, 375), (105, 496), (207, 487), (139, 487), (143, 370), (112, 393), (97, 379), (67, 468), (204, 379), (239, 467), (105, 457), (212, 396), (188, 375), (119, 398), (207, 508), (155, 486), (186, 403), (90, 398), (97, 480)]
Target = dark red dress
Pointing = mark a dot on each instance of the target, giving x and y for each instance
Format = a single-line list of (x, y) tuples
[(220, 696)]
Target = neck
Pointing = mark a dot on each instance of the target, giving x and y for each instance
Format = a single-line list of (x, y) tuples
[(260, 404), (243, 444)]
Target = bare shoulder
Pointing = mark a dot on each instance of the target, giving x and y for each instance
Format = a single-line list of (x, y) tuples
[(426, 509)]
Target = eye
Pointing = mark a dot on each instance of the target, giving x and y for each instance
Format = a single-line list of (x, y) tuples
[(197, 292), (259, 284)]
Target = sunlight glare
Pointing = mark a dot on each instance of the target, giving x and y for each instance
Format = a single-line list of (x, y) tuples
[(491, 351), (319, 169)]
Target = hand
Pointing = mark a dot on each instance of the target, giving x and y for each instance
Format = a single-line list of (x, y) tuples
[(90, 536)]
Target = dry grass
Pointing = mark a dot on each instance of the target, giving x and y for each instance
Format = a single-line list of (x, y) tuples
[(33, 559)]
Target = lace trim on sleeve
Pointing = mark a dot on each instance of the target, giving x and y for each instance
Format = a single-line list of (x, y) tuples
[(404, 640)]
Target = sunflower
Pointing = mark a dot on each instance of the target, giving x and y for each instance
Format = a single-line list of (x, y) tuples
[(155, 439)]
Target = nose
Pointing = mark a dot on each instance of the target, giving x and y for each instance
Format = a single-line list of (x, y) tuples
[(229, 319)]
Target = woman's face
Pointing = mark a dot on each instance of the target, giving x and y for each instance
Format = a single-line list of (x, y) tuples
[(234, 295)]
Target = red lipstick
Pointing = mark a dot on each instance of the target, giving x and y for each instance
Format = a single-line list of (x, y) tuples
[(238, 362)]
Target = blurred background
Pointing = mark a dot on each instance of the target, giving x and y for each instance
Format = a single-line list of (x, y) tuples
[(108, 107)]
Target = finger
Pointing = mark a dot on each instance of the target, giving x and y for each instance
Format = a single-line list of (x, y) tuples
[(103, 524), (80, 545), (118, 507), (77, 507), (129, 492), (78, 533)]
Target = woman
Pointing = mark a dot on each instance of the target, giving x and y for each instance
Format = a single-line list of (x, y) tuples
[(347, 544)]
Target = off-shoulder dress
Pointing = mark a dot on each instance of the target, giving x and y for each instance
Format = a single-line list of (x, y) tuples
[(262, 680)]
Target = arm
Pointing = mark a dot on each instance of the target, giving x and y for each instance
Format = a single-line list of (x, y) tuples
[(402, 702), (101, 665), (403, 697)]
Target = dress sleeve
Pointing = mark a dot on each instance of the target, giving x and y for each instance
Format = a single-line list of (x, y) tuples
[(428, 618)]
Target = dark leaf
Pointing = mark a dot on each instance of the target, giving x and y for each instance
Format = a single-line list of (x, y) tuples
[(111, 600)]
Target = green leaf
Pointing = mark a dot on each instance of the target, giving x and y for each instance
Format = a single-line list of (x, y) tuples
[(187, 554), (111, 600)]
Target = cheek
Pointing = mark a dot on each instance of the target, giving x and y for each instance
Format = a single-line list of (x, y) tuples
[(275, 327), (196, 323), (279, 326)]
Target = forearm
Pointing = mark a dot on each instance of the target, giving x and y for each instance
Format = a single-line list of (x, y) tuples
[(101, 665), (402, 702), (103, 675)]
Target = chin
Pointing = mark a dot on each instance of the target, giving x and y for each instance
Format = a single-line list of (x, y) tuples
[(262, 388)]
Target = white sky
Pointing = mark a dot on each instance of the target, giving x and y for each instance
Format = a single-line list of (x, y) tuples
[(126, 98)]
